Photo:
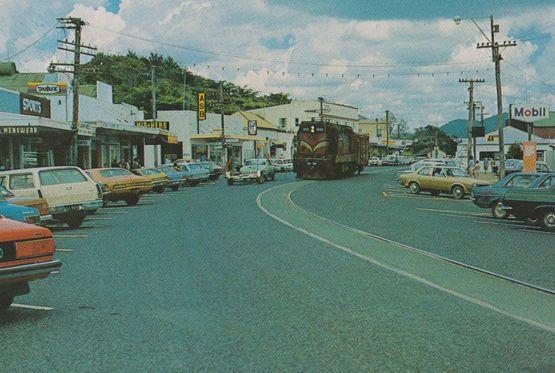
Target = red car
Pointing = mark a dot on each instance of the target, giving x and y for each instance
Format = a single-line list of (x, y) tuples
[(26, 254)]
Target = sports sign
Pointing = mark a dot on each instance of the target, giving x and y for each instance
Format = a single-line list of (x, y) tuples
[(201, 106), (33, 105), (157, 124), (47, 88), (252, 128), (529, 113)]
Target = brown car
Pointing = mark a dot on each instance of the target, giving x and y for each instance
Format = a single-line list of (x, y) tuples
[(34, 202), (119, 184)]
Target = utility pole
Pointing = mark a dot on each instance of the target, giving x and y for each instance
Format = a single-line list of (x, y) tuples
[(387, 132), (496, 58), (222, 117), (470, 115), (184, 88), (321, 100), (154, 112), (73, 23)]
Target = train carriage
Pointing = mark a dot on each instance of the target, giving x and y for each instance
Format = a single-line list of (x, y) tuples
[(328, 151)]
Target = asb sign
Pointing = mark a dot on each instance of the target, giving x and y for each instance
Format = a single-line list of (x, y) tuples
[(33, 105), (47, 88), (201, 106), (529, 113)]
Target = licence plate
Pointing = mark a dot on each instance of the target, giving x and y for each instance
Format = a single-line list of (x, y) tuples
[(69, 208)]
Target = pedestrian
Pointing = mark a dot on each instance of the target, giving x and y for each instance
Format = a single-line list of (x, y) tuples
[(486, 165), (229, 164), (476, 170)]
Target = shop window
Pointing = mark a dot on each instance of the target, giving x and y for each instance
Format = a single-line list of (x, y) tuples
[(296, 122), (22, 181), (282, 122)]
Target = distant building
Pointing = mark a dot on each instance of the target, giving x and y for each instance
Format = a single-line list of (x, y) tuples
[(373, 127)]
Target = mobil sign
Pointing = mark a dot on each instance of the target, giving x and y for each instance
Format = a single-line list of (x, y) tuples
[(529, 113)]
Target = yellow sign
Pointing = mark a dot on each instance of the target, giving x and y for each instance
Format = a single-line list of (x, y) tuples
[(46, 88), (158, 124), (201, 106)]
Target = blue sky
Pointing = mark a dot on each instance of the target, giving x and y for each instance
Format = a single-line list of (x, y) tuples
[(404, 56)]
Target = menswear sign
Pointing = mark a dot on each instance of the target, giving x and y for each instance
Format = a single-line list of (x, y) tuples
[(529, 113)]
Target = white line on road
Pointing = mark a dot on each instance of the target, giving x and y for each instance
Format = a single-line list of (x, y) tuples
[(70, 235), (66, 250), (97, 218), (535, 231), (112, 212), (394, 269), (454, 212), (30, 307), (500, 223)]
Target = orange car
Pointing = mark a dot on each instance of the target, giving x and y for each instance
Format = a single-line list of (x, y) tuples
[(26, 254), (37, 203), (119, 184)]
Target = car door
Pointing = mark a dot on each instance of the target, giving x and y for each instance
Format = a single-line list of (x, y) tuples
[(23, 185), (424, 177), (66, 186)]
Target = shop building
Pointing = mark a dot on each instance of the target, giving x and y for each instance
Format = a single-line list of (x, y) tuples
[(275, 144)]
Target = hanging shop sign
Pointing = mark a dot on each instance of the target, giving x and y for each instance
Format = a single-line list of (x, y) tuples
[(529, 113), (201, 106), (46, 88), (86, 129), (33, 105), (158, 124), (22, 131), (253, 128)]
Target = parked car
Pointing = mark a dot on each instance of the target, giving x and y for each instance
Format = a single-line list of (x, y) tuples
[(288, 165), (156, 176), (26, 254), (259, 164), (70, 194), (390, 160), (516, 165), (374, 161), (119, 184), (490, 197), (194, 172), (277, 164), (37, 203), (176, 178), (420, 164), (213, 169), (437, 179), (20, 213), (535, 203)]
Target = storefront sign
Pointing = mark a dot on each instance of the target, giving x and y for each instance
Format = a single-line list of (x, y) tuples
[(529, 113), (86, 129), (158, 124), (253, 128), (27, 130), (47, 88), (529, 155), (33, 105), (201, 106)]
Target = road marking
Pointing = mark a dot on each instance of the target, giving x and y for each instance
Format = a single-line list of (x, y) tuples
[(66, 250), (112, 212), (528, 229), (416, 197), (500, 223), (70, 236), (384, 194), (30, 307), (550, 326), (458, 212), (97, 218)]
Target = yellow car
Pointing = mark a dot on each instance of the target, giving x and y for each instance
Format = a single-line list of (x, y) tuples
[(156, 176), (437, 179)]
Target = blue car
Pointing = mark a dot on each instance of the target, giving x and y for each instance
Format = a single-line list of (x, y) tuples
[(490, 197), (20, 213), (194, 172), (176, 177)]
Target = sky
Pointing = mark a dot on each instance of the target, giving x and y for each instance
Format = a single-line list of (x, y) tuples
[(402, 56)]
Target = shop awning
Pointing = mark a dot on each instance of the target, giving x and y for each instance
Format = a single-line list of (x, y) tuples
[(215, 137), (25, 125)]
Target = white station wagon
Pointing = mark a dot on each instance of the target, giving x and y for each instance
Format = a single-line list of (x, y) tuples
[(69, 192)]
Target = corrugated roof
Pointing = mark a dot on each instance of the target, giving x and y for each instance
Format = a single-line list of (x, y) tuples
[(260, 122), (18, 82)]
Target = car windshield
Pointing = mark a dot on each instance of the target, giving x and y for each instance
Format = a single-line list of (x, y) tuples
[(195, 167), (114, 172), (167, 168), (252, 162), (150, 171), (61, 176), (5, 193)]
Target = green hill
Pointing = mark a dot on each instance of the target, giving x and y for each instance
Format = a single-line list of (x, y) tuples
[(130, 76), (459, 127)]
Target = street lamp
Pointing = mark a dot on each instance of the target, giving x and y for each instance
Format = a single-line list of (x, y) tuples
[(496, 58)]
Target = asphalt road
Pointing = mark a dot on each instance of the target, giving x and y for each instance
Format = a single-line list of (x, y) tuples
[(204, 279)]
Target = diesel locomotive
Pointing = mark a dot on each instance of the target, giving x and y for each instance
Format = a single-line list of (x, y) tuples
[(327, 151)]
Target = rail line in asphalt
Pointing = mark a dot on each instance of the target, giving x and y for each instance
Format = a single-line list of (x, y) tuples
[(511, 297)]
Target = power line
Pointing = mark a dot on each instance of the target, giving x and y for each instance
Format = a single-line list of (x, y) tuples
[(531, 77), (292, 62), (32, 44)]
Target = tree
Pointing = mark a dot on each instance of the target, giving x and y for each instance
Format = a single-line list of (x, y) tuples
[(426, 137), (515, 152)]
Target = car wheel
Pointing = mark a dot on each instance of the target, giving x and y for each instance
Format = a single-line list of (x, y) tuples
[(175, 188), (414, 187), (261, 179), (272, 176), (75, 221), (5, 302), (159, 189), (458, 192), (230, 181), (132, 201), (548, 221), (498, 212)]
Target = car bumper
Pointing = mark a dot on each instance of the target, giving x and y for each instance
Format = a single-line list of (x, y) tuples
[(46, 219), (28, 271)]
